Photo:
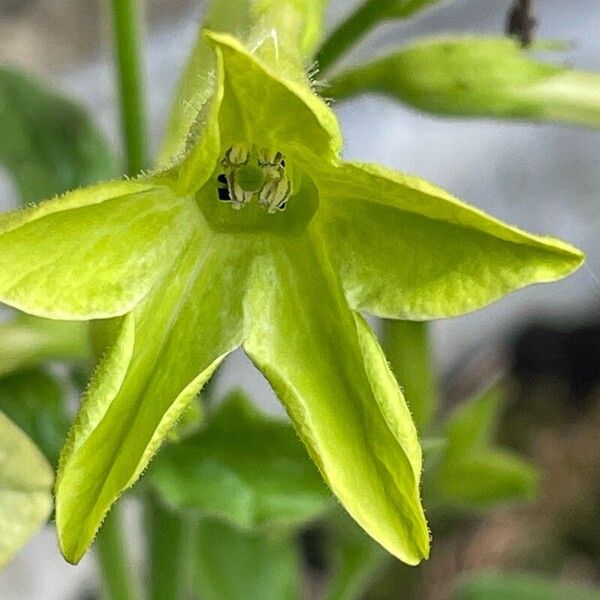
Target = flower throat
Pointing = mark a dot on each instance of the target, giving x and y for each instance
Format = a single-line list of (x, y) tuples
[(248, 174)]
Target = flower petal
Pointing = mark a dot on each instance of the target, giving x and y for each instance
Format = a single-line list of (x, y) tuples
[(168, 347), (331, 375), (203, 144), (407, 249), (263, 108), (299, 24), (93, 253)]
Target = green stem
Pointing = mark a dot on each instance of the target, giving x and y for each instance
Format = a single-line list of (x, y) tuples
[(408, 349), (113, 561), (110, 547), (169, 544), (127, 32), (362, 20)]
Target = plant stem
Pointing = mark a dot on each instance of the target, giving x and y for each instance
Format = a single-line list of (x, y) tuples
[(111, 551), (112, 558), (408, 349), (169, 543), (362, 20), (127, 32)]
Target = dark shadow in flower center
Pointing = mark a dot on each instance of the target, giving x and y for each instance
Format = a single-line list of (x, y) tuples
[(252, 217)]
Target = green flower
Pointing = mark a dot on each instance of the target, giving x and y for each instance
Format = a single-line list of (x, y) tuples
[(258, 235)]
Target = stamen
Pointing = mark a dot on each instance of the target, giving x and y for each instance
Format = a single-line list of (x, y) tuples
[(236, 156), (239, 195), (268, 158), (249, 174), (276, 193)]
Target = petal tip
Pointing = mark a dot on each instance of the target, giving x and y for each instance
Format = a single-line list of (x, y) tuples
[(573, 259), (217, 39), (409, 546), (579, 257), (71, 552), (416, 555)]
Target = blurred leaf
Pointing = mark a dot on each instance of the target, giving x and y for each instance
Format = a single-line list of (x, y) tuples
[(499, 586), (468, 472), (34, 400), (478, 76), (472, 423), (356, 559), (27, 341), (481, 480), (236, 565), (48, 144), (433, 448), (244, 467), (25, 489)]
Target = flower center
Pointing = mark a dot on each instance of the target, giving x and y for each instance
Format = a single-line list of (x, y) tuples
[(250, 178), (249, 174), (269, 194)]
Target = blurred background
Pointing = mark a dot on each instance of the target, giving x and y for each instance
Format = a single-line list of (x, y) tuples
[(543, 343)]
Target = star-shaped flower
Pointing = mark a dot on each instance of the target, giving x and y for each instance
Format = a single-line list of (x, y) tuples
[(259, 236)]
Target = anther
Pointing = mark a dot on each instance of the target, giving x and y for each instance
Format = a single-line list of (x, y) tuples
[(276, 193), (248, 174), (236, 156)]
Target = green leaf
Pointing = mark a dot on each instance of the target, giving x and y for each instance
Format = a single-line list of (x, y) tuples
[(328, 370), (27, 341), (92, 254), (243, 467), (480, 481), (356, 559), (298, 24), (468, 472), (47, 143), (165, 351), (408, 250), (34, 401), (473, 423), (235, 565), (478, 77), (25, 489), (505, 586)]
